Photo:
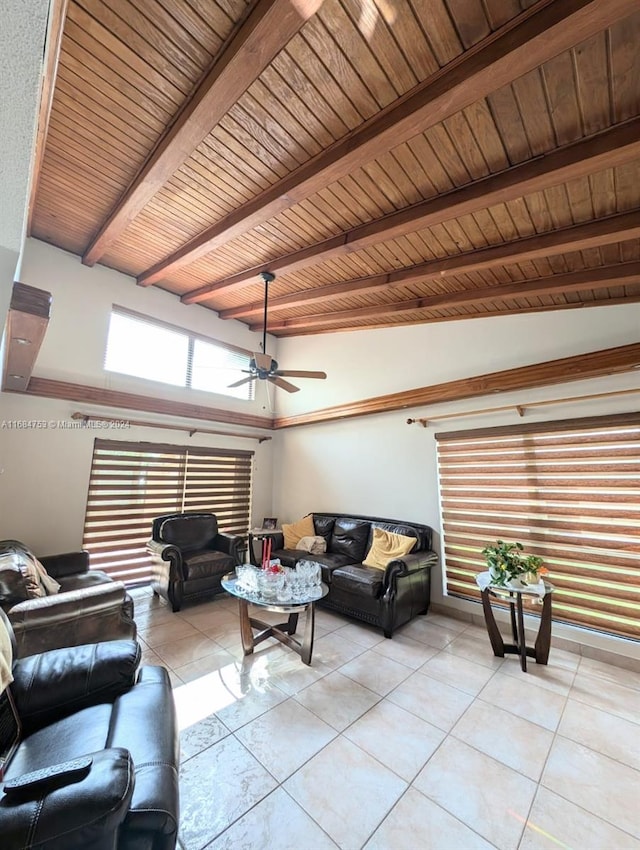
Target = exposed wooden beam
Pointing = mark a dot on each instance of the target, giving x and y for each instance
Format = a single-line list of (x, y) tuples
[(578, 237), (608, 149), (190, 429), (27, 322), (512, 311), (592, 278), (55, 27), (535, 36), (265, 31), (595, 364), (82, 394)]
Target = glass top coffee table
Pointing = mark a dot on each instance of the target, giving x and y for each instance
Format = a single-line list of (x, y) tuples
[(284, 632)]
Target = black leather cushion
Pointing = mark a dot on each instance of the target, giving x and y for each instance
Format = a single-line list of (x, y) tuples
[(288, 557), (324, 526), (350, 538), (93, 807), (48, 685), (77, 581), (189, 532), (363, 581), (206, 563), (68, 738)]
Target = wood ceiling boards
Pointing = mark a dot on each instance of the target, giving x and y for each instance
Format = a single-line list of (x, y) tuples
[(392, 163)]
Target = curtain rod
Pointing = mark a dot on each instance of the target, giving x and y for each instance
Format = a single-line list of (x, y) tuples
[(520, 408), (89, 417)]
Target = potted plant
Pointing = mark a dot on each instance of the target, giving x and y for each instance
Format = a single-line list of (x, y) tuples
[(507, 561)]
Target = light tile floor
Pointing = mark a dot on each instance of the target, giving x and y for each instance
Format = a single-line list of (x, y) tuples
[(422, 741)]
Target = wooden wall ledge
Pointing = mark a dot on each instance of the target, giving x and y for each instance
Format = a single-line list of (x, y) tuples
[(27, 322), (595, 364), (83, 394)]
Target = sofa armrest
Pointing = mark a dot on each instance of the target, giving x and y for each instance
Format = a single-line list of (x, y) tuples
[(167, 552), (155, 750), (86, 615), (59, 682), (66, 564), (230, 544), (408, 565), (85, 814)]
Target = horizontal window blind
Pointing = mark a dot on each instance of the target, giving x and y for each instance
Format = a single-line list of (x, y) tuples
[(570, 492), (148, 348), (133, 483)]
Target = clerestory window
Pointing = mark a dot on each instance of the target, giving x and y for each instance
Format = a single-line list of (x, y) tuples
[(150, 349)]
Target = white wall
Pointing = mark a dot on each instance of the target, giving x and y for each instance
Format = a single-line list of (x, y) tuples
[(45, 469), (22, 35), (380, 465)]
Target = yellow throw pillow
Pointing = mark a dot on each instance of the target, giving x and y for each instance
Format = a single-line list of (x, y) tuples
[(386, 546), (297, 530)]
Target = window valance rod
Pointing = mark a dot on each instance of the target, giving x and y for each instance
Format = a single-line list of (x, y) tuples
[(190, 429), (520, 408)]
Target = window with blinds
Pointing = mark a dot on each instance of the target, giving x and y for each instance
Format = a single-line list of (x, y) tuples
[(132, 483), (570, 492), (157, 351)]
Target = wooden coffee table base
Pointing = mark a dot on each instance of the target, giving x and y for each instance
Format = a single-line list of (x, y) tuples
[(282, 631)]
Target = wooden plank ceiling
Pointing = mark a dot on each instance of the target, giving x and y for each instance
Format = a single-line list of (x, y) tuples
[(391, 162)]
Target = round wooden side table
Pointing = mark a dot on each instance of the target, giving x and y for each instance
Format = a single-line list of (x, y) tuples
[(513, 595)]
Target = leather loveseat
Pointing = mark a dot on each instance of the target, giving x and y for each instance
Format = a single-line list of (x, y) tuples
[(88, 607), (386, 598), (189, 556), (91, 705)]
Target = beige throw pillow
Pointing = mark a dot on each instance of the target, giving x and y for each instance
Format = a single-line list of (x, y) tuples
[(295, 531), (386, 546)]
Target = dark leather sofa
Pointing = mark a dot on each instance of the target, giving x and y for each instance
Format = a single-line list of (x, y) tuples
[(385, 598), (190, 555), (92, 701), (89, 607)]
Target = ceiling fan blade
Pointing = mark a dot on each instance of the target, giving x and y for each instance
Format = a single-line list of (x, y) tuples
[(284, 385), (296, 373), (242, 381)]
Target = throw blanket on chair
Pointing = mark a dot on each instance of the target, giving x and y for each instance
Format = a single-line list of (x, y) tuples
[(314, 545)]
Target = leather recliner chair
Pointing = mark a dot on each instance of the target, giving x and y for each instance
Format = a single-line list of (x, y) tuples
[(90, 705), (88, 608), (190, 556)]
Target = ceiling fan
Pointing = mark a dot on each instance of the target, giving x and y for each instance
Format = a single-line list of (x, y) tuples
[(262, 366)]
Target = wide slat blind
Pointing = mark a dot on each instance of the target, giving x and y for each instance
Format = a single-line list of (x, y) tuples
[(570, 492), (132, 483)]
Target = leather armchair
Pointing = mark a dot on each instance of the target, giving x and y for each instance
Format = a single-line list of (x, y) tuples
[(90, 701), (190, 555), (88, 608)]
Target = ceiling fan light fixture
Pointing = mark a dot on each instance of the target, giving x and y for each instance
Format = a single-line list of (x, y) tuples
[(262, 366)]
